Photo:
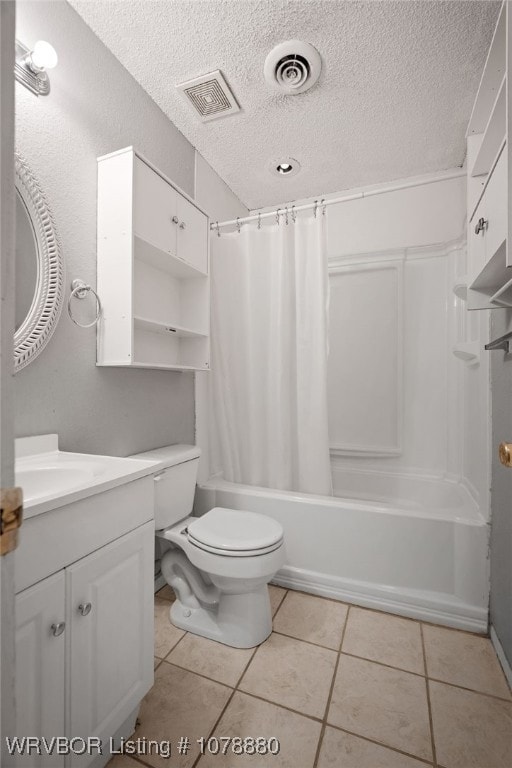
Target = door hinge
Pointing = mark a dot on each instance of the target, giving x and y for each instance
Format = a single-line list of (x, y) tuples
[(11, 515)]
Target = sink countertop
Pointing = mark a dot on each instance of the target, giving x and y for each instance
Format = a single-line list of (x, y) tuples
[(51, 478)]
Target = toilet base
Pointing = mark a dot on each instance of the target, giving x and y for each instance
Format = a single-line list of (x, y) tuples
[(241, 621)]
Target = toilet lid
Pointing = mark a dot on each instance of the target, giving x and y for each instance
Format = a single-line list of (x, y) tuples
[(225, 531)]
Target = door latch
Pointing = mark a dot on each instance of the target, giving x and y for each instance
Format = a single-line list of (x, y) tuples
[(11, 515)]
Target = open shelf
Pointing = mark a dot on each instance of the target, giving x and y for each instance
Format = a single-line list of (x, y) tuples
[(494, 134), (503, 296), (155, 257), (468, 351), (156, 326), (492, 77)]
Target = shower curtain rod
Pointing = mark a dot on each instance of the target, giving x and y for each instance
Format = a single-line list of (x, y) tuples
[(290, 209)]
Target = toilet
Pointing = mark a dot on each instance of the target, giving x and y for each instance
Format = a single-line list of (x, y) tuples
[(219, 564)]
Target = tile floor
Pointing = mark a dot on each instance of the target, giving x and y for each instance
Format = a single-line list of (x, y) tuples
[(339, 686)]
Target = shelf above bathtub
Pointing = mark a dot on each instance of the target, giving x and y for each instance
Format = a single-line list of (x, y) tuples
[(468, 351)]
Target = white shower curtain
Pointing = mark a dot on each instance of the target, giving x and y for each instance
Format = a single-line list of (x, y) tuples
[(269, 355)]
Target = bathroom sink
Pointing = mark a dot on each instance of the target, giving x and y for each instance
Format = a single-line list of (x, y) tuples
[(50, 478)]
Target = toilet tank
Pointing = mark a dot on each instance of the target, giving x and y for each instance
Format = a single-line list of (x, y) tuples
[(175, 482)]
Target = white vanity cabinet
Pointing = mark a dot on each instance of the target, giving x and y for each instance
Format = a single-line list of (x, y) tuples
[(84, 644), (40, 662), (153, 276)]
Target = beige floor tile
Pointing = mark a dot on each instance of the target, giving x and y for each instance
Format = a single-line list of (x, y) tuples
[(122, 761), (385, 638), (342, 750), (179, 704), (470, 730), (220, 662), (312, 618), (156, 662), (166, 634), (276, 596), (464, 659), (384, 704), (245, 716), (292, 673), (166, 593)]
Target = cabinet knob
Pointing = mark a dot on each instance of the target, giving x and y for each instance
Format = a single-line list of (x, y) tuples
[(58, 629), (481, 225), (505, 451), (182, 225), (174, 219), (85, 608)]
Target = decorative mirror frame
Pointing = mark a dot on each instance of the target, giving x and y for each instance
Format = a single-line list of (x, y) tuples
[(36, 330)]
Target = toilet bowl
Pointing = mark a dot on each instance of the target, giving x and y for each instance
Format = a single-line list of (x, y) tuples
[(219, 564)]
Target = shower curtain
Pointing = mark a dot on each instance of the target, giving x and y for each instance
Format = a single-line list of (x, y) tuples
[(269, 355)]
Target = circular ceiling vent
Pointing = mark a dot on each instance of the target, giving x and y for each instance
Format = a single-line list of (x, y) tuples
[(292, 67)]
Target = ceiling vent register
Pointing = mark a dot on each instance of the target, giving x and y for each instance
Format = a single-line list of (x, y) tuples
[(292, 67), (210, 96)]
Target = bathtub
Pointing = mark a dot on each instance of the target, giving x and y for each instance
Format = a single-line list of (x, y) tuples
[(409, 545)]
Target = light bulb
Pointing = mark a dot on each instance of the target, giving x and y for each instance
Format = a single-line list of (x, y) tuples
[(44, 56)]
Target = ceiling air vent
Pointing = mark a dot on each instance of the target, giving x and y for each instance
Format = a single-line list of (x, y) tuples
[(210, 95), (292, 67)]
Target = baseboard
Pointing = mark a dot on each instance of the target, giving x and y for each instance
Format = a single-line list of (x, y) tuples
[(500, 653), (424, 606)]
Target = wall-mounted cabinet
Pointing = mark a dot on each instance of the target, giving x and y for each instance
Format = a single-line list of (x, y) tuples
[(153, 276), (489, 177)]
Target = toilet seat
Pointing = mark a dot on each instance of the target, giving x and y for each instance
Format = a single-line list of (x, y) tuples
[(232, 533)]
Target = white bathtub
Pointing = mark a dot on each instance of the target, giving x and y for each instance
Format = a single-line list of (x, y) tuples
[(409, 545)]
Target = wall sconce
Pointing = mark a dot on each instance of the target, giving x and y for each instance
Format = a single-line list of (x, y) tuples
[(31, 65)]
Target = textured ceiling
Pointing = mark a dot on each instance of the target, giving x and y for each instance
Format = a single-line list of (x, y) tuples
[(393, 100)]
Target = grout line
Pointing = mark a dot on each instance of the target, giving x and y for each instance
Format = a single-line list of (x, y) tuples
[(228, 702), (429, 704), (382, 744), (301, 640), (278, 607), (331, 689), (193, 672), (470, 690), (280, 706), (382, 664), (177, 641)]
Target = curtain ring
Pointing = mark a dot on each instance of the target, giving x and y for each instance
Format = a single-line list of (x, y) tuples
[(322, 203), (314, 209), (277, 216), (259, 220), (238, 225), (294, 214), (218, 230), (286, 216)]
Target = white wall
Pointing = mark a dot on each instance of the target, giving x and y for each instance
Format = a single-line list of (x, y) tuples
[(221, 204), (94, 107)]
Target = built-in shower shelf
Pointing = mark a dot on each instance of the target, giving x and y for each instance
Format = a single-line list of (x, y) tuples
[(468, 351), (460, 288)]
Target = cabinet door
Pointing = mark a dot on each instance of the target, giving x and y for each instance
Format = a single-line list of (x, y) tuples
[(192, 235), (110, 604), (40, 654), (155, 218)]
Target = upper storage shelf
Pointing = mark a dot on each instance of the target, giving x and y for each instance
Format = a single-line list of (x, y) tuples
[(152, 269), (489, 176)]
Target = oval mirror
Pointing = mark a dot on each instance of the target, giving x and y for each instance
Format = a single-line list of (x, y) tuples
[(39, 269)]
